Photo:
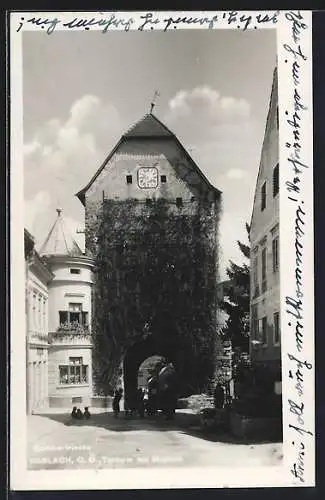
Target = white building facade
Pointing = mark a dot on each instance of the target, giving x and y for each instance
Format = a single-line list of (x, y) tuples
[(38, 277), (264, 240), (69, 325)]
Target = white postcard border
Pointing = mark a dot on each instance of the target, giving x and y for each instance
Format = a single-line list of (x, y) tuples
[(289, 26)]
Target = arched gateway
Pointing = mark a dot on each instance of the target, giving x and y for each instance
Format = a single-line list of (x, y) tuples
[(152, 229), (138, 353)]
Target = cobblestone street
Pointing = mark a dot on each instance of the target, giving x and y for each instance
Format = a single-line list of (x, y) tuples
[(57, 442)]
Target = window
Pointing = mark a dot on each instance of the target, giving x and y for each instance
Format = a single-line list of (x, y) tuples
[(75, 361), (276, 326), (39, 313), (75, 307), (263, 330), (74, 373), (129, 179), (44, 315), (84, 318), (163, 178), (264, 285), (254, 324), (75, 311), (275, 180), (255, 276), (75, 271), (34, 310), (74, 315), (179, 202), (148, 202), (275, 254), (263, 196), (63, 317)]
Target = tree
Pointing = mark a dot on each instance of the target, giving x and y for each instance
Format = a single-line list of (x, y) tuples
[(236, 302)]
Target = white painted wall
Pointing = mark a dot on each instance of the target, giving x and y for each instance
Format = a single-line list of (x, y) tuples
[(264, 227), (66, 288), (59, 355), (37, 306)]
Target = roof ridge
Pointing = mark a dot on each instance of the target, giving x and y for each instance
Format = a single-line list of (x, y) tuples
[(155, 128)]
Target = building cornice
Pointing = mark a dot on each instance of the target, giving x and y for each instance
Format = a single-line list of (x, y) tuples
[(67, 345), (70, 281), (68, 259), (38, 345), (40, 268), (29, 244)]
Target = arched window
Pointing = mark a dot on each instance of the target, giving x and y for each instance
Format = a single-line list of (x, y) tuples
[(275, 180)]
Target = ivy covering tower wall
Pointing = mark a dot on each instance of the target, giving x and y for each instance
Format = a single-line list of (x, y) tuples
[(156, 271)]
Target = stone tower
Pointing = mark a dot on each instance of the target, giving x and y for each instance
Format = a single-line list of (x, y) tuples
[(152, 230)]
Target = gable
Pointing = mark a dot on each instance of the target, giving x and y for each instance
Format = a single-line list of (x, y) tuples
[(165, 157), (148, 143)]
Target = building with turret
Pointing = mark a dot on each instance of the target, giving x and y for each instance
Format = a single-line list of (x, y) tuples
[(58, 321), (69, 322)]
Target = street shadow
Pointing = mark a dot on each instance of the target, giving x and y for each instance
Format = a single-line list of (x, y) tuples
[(185, 423)]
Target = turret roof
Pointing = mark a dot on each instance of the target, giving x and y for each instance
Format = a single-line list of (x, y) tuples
[(59, 241)]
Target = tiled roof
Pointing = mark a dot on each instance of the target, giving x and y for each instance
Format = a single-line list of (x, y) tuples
[(149, 126), (59, 241)]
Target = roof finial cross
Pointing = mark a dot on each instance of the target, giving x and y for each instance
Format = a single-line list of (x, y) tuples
[(153, 102)]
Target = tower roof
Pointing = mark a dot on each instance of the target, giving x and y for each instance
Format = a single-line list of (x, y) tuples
[(59, 241), (148, 126)]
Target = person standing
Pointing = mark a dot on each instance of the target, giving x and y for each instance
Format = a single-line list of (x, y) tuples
[(219, 396), (140, 402), (152, 396), (145, 400), (116, 402)]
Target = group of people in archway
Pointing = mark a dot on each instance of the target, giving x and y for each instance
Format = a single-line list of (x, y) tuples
[(147, 401)]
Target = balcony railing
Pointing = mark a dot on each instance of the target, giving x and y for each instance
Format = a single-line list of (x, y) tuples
[(72, 333), (74, 328)]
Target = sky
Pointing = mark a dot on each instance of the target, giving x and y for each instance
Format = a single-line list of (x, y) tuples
[(82, 91)]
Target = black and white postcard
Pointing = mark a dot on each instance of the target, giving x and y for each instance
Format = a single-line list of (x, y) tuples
[(162, 318)]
